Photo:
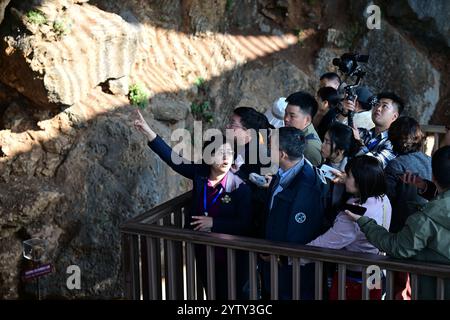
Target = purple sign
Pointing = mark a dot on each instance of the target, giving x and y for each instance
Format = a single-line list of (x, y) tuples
[(38, 272)]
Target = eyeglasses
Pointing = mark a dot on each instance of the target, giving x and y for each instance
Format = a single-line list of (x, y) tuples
[(235, 125)]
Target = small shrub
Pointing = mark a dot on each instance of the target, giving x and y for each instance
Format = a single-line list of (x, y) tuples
[(61, 27), (200, 82), (201, 111), (36, 17), (138, 96)]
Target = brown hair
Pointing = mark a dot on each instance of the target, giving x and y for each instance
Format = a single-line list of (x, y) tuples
[(406, 135)]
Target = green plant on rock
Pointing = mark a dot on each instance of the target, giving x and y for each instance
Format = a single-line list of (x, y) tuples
[(200, 82), (36, 17), (61, 27), (138, 96), (201, 111)]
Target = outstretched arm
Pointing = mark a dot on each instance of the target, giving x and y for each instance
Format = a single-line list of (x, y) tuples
[(142, 126), (164, 151), (406, 243)]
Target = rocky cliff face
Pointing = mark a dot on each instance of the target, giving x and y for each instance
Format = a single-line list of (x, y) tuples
[(72, 167)]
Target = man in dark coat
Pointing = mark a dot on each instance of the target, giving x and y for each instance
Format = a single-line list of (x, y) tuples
[(294, 209)]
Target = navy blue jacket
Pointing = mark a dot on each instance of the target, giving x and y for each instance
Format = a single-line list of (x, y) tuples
[(235, 216), (297, 216), (303, 195)]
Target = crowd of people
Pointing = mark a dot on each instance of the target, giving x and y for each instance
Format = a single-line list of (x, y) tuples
[(377, 165)]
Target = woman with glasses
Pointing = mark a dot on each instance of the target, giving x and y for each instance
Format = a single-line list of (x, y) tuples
[(221, 201), (250, 131)]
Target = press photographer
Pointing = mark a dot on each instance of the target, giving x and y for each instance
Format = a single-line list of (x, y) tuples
[(357, 99), (360, 109)]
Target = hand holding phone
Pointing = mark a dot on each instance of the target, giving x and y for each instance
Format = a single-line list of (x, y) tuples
[(328, 172), (358, 210), (257, 179)]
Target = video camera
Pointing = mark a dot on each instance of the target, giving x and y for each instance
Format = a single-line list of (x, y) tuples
[(348, 65)]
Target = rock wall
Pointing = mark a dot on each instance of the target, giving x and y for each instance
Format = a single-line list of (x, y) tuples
[(72, 167)]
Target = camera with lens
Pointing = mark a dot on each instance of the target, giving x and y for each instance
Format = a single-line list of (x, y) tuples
[(348, 65)]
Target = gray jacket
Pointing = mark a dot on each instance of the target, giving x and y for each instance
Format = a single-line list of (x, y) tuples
[(404, 198)]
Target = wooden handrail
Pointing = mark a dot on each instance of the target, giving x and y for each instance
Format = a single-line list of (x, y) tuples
[(286, 249), (137, 227)]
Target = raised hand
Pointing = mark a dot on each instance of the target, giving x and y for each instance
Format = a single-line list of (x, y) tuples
[(352, 216), (141, 125), (269, 178), (339, 177), (349, 105)]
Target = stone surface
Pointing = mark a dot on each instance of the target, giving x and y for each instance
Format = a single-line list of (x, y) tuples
[(63, 71), (207, 15), (3, 4), (438, 12), (74, 188), (262, 85), (324, 62), (398, 66), (169, 107)]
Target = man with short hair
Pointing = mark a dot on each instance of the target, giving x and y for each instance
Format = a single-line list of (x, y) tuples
[(299, 113), (294, 208), (426, 234), (375, 142), (330, 79), (329, 101)]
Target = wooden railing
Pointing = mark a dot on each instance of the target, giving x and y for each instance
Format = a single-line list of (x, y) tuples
[(159, 260)]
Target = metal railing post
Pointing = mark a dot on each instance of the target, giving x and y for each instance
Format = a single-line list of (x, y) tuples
[(190, 270), (414, 286), (252, 276), (342, 282), (231, 273), (440, 289), (364, 288), (296, 285), (130, 245), (211, 273), (318, 275), (273, 277), (389, 285)]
